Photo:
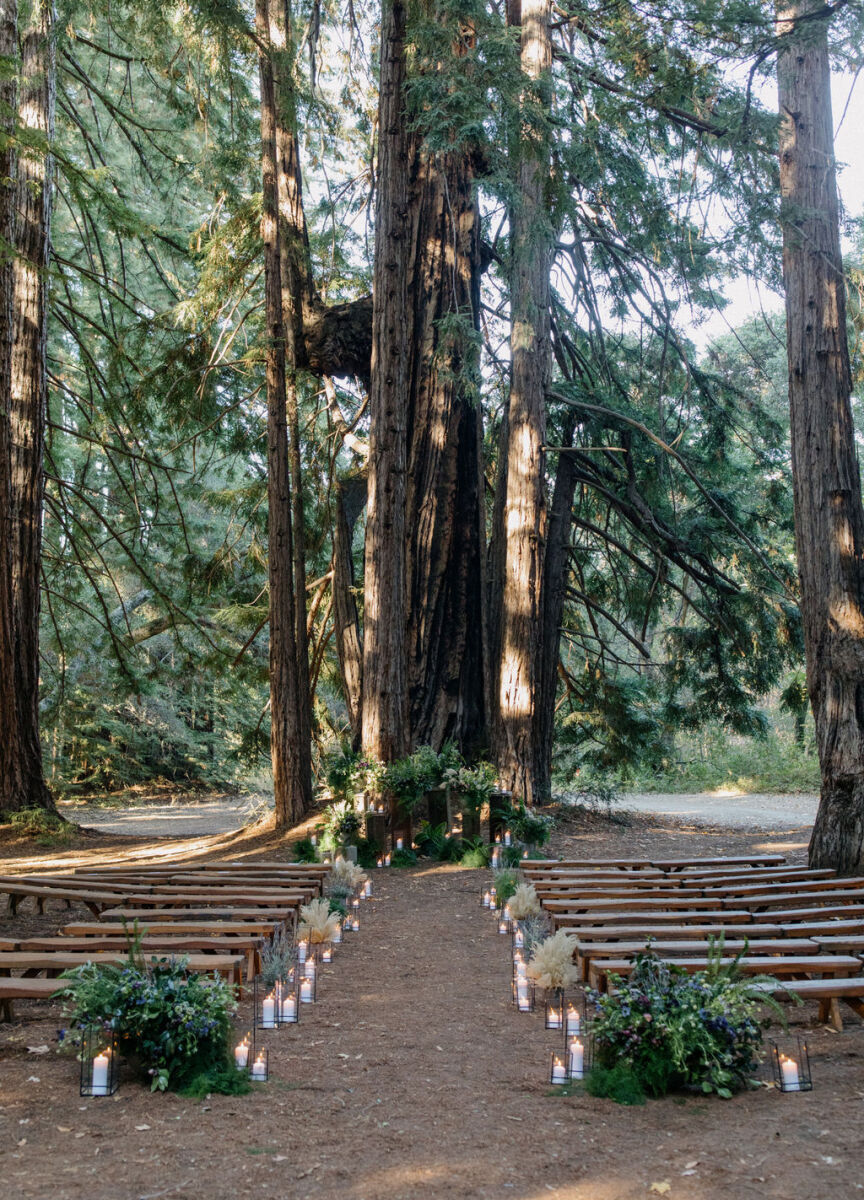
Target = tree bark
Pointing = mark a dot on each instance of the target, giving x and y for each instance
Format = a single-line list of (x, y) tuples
[(525, 502), (10, 780), (28, 385), (829, 516), (555, 568), (296, 277), (291, 783), (348, 501), (385, 709)]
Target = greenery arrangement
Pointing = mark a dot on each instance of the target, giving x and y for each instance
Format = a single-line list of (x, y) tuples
[(278, 956), (305, 851), (403, 858), (172, 1025), (662, 1029), (475, 853), (506, 882), (433, 841), (340, 825)]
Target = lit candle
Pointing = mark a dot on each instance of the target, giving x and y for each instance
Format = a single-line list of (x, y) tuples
[(314, 839), (492, 896), (309, 968), (577, 1059), (573, 1023), (554, 1020), (301, 951), (289, 1008), (337, 935), (241, 1055), (355, 925), (306, 990), (559, 1075), (386, 860), (268, 1012), (523, 999), (380, 863), (789, 1074), (99, 1077), (367, 890), (497, 839), (508, 839), (259, 1068), (399, 843), (487, 899), (503, 926), (327, 954), (355, 904)]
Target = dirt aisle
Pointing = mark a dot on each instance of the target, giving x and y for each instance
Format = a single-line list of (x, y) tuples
[(414, 1078)]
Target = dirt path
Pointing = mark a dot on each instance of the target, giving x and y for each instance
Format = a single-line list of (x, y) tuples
[(751, 811), (414, 1078)]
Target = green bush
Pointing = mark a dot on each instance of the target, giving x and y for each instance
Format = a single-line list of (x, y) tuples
[(475, 853), (410, 778), (305, 851), (339, 770), (673, 1030), (172, 1025), (403, 858), (433, 841), (505, 882), (368, 852), (619, 1083)]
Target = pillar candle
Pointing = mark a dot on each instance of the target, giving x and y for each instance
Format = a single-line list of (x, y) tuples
[(259, 1068), (789, 1075), (577, 1059), (268, 1012), (559, 1075), (99, 1077)]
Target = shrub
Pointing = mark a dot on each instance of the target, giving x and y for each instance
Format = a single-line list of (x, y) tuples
[(672, 1030), (305, 851), (368, 852), (403, 858), (475, 853), (172, 1025), (340, 825), (434, 842), (410, 778), (506, 882), (340, 767)]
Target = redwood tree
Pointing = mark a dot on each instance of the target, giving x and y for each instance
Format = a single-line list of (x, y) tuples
[(829, 516)]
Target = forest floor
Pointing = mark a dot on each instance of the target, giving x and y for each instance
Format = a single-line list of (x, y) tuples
[(413, 1076)]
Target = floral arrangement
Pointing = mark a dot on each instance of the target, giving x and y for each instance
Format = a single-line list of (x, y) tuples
[(524, 902), (317, 922), (345, 876), (551, 965), (668, 1029), (341, 825), (173, 1025)]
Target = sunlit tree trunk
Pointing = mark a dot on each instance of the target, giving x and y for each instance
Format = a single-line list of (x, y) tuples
[(296, 277), (385, 707), (28, 383), (829, 517), (348, 500), (10, 781), (291, 783), (524, 517)]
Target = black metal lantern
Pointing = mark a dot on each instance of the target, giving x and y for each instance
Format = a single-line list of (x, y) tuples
[(575, 1019), (336, 939), (558, 1069), (288, 999), (326, 949), (259, 1064), (308, 990), (579, 1055), (266, 1004), (554, 1016), (523, 993), (99, 1062), (792, 1068)]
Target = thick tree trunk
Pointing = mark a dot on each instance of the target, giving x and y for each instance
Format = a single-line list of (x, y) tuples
[(445, 602), (296, 276), (291, 782), (555, 567), (385, 709), (10, 780), (525, 504), (28, 385), (349, 498), (829, 517)]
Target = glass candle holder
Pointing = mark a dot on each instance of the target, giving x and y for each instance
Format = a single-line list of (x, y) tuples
[(579, 1056), (259, 1066), (523, 993), (554, 1015), (790, 1062), (557, 1069), (99, 1063)]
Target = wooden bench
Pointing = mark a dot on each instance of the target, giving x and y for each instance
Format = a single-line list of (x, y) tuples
[(822, 965), (25, 989), (829, 992), (249, 946), (262, 928), (36, 963), (647, 929), (682, 916), (587, 952)]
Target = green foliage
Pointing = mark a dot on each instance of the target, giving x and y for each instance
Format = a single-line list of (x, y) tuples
[(403, 858), (433, 841), (305, 851), (475, 853), (619, 1083), (410, 778), (368, 852), (340, 825), (671, 1029), (339, 769), (174, 1026), (36, 822), (475, 785), (506, 882)]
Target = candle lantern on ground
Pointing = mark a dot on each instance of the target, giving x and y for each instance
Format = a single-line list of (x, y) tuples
[(99, 1062), (791, 1066), (302, 950), (367, 889), (579, 1056), (557, 1069), (485, 898), (555, 1009), (518, 936), (288, 1000), (574, 1019), (259, 1065), (309, 988), (503, 922), (336, 939), (523, 992), (267, 1004), (326, 953), (241, 1053)]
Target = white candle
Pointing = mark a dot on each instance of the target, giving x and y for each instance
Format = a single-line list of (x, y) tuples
[(99, 1077), (241, 1055), (309, 968), (327, 954), (503, 926), (508, 840), (789, 1075), (386, 860), (259, 1068), (355, 925), (573, 1023), (367, 890), (523, 999), (289, 1008), (355, 904), (518, 937), (306, 991), (314, 839), (487, 899), (554, 1020), (559, 1075), (302, 947), (380, 862), (492, 896), (399, 843), (577, 1059), (268, 1012), (337, 935), (497, 839)]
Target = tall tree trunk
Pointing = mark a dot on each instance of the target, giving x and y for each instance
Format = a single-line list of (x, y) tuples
[(28, 384), (445, 601), (348, 501), (10, 779), (525, 503), (555, 567), (296, 278), (829, 517), (385, 709), (291, 782)]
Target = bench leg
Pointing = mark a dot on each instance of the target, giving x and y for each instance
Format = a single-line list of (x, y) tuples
[(829, 1013), (6, 1011)]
